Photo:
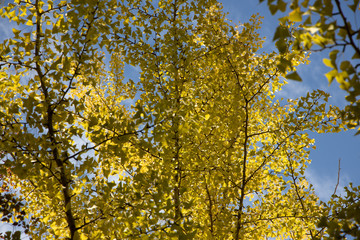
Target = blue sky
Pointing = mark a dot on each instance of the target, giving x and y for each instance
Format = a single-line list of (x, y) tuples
[(323, 170)]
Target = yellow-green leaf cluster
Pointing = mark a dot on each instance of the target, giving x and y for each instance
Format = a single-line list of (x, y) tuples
[(196, 147)]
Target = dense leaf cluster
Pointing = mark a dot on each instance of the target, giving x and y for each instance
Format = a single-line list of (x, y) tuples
[(195, 147)]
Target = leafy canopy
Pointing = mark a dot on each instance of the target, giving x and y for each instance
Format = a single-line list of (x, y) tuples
[(197, 147), (325, 26)]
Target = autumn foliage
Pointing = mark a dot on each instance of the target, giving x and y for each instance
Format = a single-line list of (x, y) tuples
[(154, 120)]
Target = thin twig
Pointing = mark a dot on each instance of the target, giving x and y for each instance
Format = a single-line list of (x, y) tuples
[(338, 178)]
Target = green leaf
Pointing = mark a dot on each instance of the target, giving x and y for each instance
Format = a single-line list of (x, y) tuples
[(305, 3), (342, 33), (347, 67), (281, 5), (327, 9), (333, 55), (308, 22), (284, 64), (273, 8), (354, 6), (111, 184), (294, 76), (282, 46), (356, 56), (281, 33)]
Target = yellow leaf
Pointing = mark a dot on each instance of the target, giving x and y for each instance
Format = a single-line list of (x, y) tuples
[(328, 62), (16, 31), (83, 236), (29, 23), (296, 15), (12, 14)]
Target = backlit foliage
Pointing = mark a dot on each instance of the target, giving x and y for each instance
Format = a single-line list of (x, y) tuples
[(196, 147), (326, 25)]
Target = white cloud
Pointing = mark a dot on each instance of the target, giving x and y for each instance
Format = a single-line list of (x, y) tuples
[(5, 227), (294, 89), (324, 185)]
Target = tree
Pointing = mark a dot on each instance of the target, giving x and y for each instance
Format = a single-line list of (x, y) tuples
[(326, 25), (205, 151), (329, 25)]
